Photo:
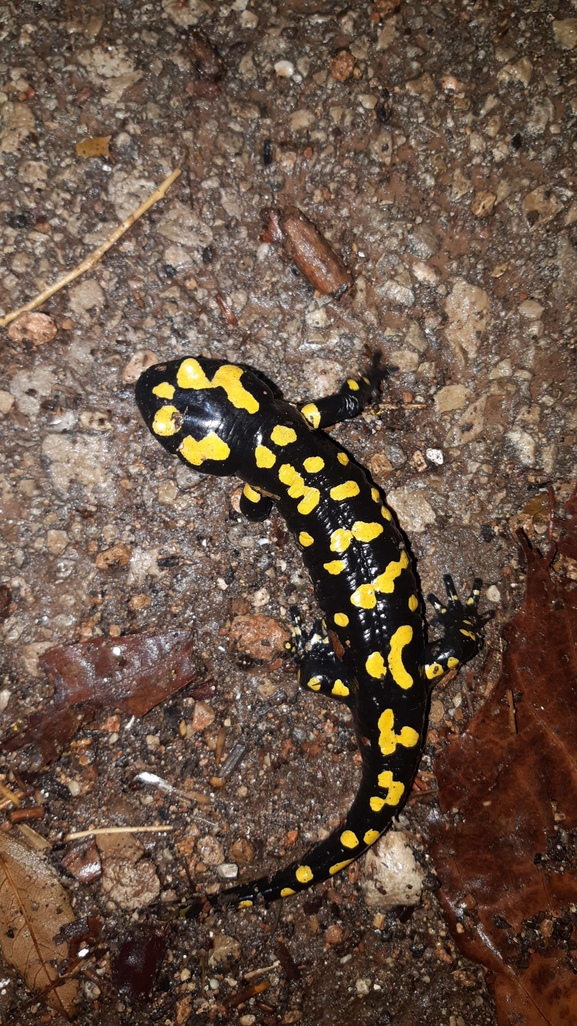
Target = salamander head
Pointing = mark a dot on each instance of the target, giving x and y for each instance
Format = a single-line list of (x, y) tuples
[(202, 410)]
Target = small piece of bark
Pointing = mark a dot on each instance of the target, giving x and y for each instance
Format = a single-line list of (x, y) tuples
[(309, 250)]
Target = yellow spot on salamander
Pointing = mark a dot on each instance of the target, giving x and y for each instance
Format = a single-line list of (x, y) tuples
[(311, 414), (452, 661), (209, 448), (283, 435), (347, 490), (365, 595), (246, 903), (388, 740), (228, 377), (306, 539), (340, 540), (385, 582), (264, 457), (304, 874), (164, 390), (413, 603), (433, 670), (400, 639), (353, 385), (341, 619), (313, 464), (375, 665), (297, 488), (167, 421), (349, 839), (371, 836), (338, 866), (340, 690), (377, 803), (468, 634), (375, 495), (336, 566), (386, 513), (286, 892), (251, 494), (395, 788), (366, 532), (314, 684), (361, 531), (343, 458)]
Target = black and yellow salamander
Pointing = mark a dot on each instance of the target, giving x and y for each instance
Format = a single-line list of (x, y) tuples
[(223, 419)]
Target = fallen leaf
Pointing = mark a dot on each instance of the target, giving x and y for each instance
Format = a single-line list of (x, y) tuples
[(33, 908), (133, 674), (98, 146), (510, 783)]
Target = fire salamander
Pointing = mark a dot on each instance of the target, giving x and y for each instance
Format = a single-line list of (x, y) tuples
[(223, 419)]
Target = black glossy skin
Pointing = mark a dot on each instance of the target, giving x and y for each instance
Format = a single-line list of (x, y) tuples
[(226, 421)]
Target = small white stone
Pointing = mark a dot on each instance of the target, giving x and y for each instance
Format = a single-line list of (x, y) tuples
[(524, 445), (504, 369), (227, 870), (493, 594), (284, 69), (532, 310), (392, 875), (363, 987), (435, 456)]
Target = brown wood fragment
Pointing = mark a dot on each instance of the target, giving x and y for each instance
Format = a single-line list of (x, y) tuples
[(310, 251)]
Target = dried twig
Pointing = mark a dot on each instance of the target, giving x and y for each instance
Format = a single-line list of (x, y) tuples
[(94, 257), (77, 835)]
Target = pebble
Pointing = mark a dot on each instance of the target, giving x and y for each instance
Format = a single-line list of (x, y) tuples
[(412, 508), (38, 328), (483, 203), (435, 456), (391, 875), (203, 715), (531, 310), (451, 397), (404, 359), (56, 541), (524, 446), (470, 424), (210, 850), (284, 69), (398, 293), (223, 949), (467, 308), (493, 594), (363, 987), (565, 33), (342, 66), (138, 363), (227, 870)]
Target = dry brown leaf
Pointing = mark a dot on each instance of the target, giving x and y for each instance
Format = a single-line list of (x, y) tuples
[(33, 908), (99, 146), (505, 851)]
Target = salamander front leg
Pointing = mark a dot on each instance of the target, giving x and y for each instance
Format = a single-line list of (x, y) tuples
[(463, 626), (351, 400), (319, 669)]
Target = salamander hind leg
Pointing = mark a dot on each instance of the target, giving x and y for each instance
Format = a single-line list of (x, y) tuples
[(320, 671), (350, 401), (463, 627), (254, 505)]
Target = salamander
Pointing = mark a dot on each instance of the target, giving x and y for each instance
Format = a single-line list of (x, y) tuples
[(369, 651)]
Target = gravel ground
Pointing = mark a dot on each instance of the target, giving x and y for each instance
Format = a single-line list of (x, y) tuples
[(433, 144)]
